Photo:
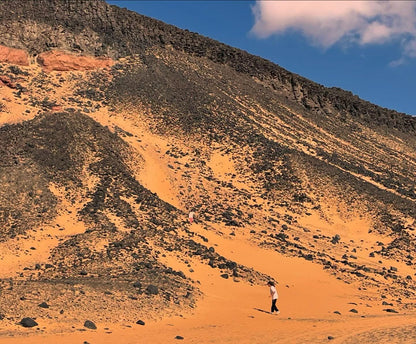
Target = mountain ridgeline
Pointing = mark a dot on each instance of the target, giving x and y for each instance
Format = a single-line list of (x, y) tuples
[(181, 122), (96, 28)]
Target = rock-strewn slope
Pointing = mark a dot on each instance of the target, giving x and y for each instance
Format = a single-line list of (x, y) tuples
[(127, 226), (255, 151)]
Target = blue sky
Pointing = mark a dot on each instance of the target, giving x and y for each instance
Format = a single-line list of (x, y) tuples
[(366, 47)]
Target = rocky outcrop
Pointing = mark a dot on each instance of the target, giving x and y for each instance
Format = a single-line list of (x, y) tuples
[(60, 61), (14, 56)]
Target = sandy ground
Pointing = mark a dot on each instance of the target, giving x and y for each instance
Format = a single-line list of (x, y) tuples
[(233, 312), (230, 311)]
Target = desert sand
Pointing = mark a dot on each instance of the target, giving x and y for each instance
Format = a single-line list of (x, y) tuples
[(232, 312)]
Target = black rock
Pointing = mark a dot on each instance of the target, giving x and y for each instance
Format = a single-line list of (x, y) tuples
[(353, 310), (137, 284), (231, 265), (140, 322), (335, 239), (28, 322), (390, 310), (152, 289), (225, 276), (179, 337), (89, 324), (43, 305), (330, 338)]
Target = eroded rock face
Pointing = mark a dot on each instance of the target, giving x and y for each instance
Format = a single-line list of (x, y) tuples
[(14, 56), (61, 61)]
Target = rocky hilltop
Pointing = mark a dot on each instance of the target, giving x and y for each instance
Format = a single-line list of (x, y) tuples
[(114, 126), (96, 28)]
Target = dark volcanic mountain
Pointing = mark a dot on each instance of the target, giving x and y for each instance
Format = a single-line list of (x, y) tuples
[(104, 164)]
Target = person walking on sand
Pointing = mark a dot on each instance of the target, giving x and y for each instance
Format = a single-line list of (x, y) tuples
[(191, 216), (273, 294)]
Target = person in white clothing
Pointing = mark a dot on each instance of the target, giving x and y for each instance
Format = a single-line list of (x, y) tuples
[(273, 294), (191, 217)]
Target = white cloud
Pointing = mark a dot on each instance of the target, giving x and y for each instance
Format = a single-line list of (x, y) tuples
[(410, 48), (326, 23)]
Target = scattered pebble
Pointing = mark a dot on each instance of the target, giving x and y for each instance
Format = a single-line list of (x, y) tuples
[(43, 305)]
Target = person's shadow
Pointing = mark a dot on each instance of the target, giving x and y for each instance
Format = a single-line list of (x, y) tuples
[(261, 310)]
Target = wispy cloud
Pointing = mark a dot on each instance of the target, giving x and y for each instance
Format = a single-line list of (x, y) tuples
[(326, 23)]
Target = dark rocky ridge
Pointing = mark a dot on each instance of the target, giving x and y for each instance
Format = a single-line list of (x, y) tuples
[(58, 149), (94, 27)]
